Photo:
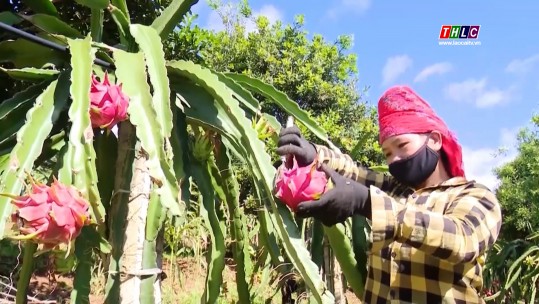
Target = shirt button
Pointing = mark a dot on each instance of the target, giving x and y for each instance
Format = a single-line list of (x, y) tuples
[(393, 254), (414, 195), (401, 268), (378, 191)]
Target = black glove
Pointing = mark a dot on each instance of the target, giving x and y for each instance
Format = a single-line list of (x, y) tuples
[(292, 143), (345, 199)]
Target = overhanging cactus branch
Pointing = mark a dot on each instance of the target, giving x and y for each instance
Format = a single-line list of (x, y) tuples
[(47, 43)]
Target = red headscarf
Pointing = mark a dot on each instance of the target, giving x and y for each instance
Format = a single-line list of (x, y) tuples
[(401, 110)]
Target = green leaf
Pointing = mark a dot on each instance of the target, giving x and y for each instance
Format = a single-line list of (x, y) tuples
[(30, 74), (88, 239), (530, 274), (42, 6), (515, 269), (104, 246), (51, 150), (4, 161), (122, 5), (208, 210), (106, 150), (105, 57), (96, 24), (16, 119), (52, 25), (383, 168), (94, 4), (19, 100), (83, 272), (122, 22), (154, 218), (30, 139), (154, 222), (274, 124), (268, 238), (360, 243), (131, 73), (317, 242), (243, 95), (342, 249), (204, 112), (180, 150), (63, 265), (9, 18), (282, 100), (63, 166), (26, 271), (23, 53), (81, 150), (244, 140), (171, 17), (151, 46), (226, 186)]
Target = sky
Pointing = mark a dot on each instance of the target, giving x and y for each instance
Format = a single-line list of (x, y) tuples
[(485, 93)]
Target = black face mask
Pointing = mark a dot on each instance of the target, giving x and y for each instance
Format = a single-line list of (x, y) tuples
[(416, 168)]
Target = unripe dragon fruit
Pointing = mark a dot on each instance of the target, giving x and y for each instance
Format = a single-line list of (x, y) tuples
[(263, 128), (202, 146)]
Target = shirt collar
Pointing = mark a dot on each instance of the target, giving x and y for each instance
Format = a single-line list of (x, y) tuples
[(452, 182)]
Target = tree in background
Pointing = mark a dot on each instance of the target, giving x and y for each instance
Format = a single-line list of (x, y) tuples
[(518, 191), (512, 267)]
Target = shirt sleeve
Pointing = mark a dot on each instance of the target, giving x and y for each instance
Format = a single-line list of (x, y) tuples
[(346, 166), (469, 226)]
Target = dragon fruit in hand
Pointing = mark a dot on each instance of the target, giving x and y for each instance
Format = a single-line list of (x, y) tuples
[(299, 184)]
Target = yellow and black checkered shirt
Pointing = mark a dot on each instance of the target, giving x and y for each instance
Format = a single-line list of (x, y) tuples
[(427, 246)]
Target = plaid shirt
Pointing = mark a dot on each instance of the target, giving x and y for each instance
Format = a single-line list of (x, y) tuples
[(427, 246)]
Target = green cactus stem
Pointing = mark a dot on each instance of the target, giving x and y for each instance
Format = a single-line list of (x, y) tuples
[(26, 272)]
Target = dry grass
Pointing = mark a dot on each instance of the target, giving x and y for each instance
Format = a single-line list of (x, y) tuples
[(184, 284), (189, 283)]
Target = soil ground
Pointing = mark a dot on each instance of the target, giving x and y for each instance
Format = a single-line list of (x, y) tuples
[(184, 284)]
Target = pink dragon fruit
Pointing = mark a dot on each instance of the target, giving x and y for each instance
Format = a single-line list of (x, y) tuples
[(299, 184), (50, 215), (108, 104)]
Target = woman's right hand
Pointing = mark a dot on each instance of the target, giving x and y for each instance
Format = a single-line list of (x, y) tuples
[(291, 142)]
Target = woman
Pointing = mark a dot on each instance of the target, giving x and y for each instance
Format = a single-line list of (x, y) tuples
[(431, 226)]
